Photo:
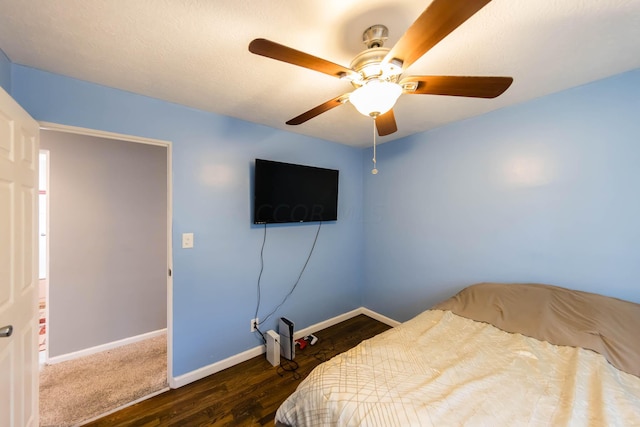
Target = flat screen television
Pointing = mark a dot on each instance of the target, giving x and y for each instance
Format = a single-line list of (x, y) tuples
[(285, 192)]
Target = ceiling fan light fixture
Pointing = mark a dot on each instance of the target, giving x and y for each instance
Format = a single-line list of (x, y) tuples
[(376, 73), (375, 97), (370, 64)]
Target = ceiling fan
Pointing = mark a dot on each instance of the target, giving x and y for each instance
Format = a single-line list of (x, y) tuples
[(376, 73)]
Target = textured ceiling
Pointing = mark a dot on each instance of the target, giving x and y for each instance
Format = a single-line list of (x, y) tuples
[(195, 53)]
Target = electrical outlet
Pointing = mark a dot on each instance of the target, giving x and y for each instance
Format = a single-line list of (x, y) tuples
[(187, 240), (254, 323)]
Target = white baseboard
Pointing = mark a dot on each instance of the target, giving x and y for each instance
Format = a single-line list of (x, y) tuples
[(379, 317), (327, 323), (205, 371), (104, 347)]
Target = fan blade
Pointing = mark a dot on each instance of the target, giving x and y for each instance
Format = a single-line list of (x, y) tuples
[(386, 123), (473, 87), (438, 20), (338, 100), (283, 53)]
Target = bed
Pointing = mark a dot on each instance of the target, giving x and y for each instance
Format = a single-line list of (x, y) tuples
[(494, 354)]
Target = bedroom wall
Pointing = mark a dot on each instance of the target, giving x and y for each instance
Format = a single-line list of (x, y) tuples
[(546, 191), (108, 233), (214, 284), (5, 72)]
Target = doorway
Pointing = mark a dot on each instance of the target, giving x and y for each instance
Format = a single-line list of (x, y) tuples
[(79, 214)]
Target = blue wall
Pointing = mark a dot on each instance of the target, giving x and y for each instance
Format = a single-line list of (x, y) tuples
[(547, 191), (5, 72), (215, 283)]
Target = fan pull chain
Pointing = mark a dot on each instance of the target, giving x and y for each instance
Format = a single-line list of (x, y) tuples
[(374, 170)]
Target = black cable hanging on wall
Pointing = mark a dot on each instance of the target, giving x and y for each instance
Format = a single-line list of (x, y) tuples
[(293, 288)]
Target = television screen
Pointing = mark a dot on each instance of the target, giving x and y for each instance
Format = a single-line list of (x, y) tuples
[(284, 192)]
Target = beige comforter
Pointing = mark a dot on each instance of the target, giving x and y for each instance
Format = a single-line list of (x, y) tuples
[(440, 369)]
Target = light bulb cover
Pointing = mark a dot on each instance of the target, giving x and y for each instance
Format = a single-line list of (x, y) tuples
[(375, 97)]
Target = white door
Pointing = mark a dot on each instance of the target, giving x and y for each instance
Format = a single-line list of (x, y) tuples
[(18, 265), (42, 213)]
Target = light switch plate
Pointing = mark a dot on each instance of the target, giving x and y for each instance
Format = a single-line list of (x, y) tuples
[(187, 240)]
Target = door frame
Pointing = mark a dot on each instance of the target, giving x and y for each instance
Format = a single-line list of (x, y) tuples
[(149, 141), (46, 250)]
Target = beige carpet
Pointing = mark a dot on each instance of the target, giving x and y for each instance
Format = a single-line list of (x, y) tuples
[(81, 389)]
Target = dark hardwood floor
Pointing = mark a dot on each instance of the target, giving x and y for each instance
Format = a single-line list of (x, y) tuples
[(247, 394)]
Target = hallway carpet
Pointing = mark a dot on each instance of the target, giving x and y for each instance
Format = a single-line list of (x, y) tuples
[(81, 389)]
